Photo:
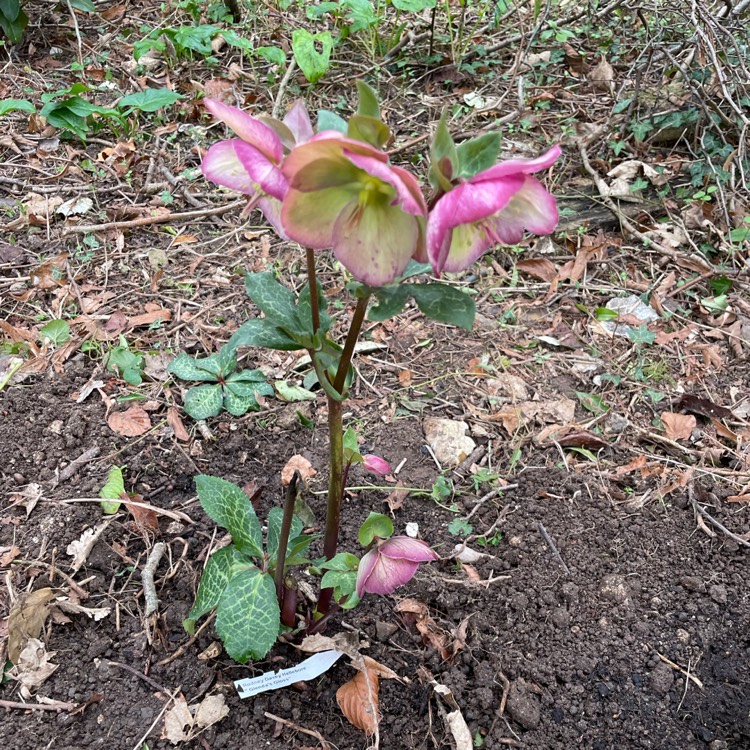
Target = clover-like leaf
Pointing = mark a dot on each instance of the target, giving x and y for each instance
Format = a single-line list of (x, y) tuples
[(219, 570), (230, 507), (247, 617)]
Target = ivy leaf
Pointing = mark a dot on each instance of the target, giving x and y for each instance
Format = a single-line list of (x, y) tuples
[(204, 401), (312, 62), (247, 618), (478, 154), (230, 507), (275, 517), (592, 402), (56, 332), (444, 303), (220, 568)]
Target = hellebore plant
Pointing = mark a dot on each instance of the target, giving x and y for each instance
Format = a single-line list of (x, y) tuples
[(336, 190)]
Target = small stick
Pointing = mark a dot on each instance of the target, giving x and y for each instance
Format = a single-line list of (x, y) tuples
[(181, 650), (551, 545), (681, 670), (145, 677), (697, 508), (311, 732), (56, 706), (176, 515), (72, 467), (492, 493), (147, 576), (286, 525), (148, 220), (282, 87)]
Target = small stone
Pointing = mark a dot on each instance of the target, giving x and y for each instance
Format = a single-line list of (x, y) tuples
[(615, 588), (570, 592), (692, 583), (523, 705), (560, 618), (718, 594), (19, 478), (682, 635), (384, 630), (56, 427), (448, 440), (661, 679), (616, 424)]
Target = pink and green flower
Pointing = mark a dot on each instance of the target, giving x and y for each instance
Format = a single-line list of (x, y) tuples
[(391, 564)]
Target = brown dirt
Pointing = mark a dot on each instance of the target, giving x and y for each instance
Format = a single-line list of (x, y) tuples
[(580, 652)]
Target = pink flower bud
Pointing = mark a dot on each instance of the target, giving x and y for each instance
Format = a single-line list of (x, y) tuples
[(376, 464), (391, 564)]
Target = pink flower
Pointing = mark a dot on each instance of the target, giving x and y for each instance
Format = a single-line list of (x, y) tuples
[(344, 195), (251, 164), (375, 464), (492, 207), (391, 564)]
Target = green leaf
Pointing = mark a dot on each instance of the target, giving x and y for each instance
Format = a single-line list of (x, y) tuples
[(375, 525), (478, 154), (113, 490), (720, 285), (84, 5), (343, 584), (328, 120), (272, 54), (238, 405), (16, 105), (460, 527), (444, 162), (13, 20), (605, 314), (230, 507), (368, 100), (276, 301), (275, 517), (351, 447), (313, 62), (247, 376), (190, 368), (263, 333), (220, 569), (740, 234), (11, 9), (369, 130), (297, 547), (304, 310), (291, 393), (390, 302), (56, 332), (247, 618), (413, 6), (641, 335), (444, 303), (204, 401), (415, 268), (591, 402), (241, 390), (342, 562), (149, 100)]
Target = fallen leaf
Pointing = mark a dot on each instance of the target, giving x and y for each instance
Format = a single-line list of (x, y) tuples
[(396, 499), (175, 422), (9, 554), (602, 76), (212, 709), (678, 426), (300, 464), (146, 519), (703, 407), (75, 206), (68, 605), (175, 720), (129, 423), (79, 549), (26, 620), (539, 268), (359, 702), (33, 666), (448, 440), (148, 318), (51, 273)]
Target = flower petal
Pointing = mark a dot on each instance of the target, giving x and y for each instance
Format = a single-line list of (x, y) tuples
[(265, 174), (519, 166), (309, 218), (271, 209), (466, 204), (383, 575), (298, 121), (406, 548), (222, 166), (468, 243), (531, 208), (375, 464), (407, 199), (249, 129), (375, 242)]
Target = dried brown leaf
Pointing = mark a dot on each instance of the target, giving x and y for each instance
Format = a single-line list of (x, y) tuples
[(175, 422), (150, 317), (703, 407), (359, 702), (300, 464), (396, 499), (678, 426), (539, 268), (26, 620), (9, 554), (131, 422)]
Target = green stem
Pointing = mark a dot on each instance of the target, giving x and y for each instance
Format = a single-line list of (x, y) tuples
[(335, 490), (325, 383), (351, 342), (312, 280)]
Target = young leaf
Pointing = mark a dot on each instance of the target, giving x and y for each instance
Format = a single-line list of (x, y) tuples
[(328, 120), (275, 516), (444, 161), (478, 154), (113, 490), (16, 105), (369, 130), (444, 303), (247, 617), (312, 63), (188, 368), (368, 100), (291, 393), (56, 332), (343, 562), (592, 402), (414, 6), (351, 447), (375, 525), (230, 507), (219, 570), (149, 100), (204, 401)]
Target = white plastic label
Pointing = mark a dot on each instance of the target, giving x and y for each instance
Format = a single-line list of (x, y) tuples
[(309, 669)]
